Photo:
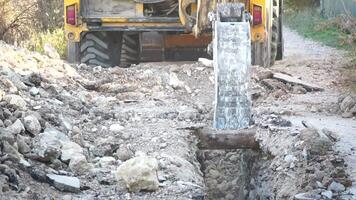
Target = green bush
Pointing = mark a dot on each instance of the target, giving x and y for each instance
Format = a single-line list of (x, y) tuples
[(310, 24), (55, 38)]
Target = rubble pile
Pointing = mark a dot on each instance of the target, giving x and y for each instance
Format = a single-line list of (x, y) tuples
[(80, 132)]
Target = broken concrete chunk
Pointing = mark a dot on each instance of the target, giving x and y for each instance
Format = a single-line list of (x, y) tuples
[(140, 173), (16, 101), (22, 145), (107, 161), (116, 128), (328, 194), (293, 80), (315, 143), (206, 62), (336, 187), (32, 124), (16, 128), (79, 165), (175, 82), (261, 73), (64, 183), (70, 150), (47, 146), (6, 135)]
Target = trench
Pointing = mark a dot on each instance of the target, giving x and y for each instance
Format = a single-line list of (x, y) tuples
[(234, 174)]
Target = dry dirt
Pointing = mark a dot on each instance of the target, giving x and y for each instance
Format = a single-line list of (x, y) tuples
[(114, 115)]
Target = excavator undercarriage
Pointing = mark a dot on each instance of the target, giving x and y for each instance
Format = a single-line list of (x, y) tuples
[(240, 33), (123, 32)]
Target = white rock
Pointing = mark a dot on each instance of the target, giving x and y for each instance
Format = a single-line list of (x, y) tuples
[(140, 173), (175, 82), (336, 187), (206, 62), (328, 194), (16, 100), (107, 162), (65, 123), (47, 146), (70, 150), (16, 128), (32, 124), (34, 91), (116, 128), (290, 158)]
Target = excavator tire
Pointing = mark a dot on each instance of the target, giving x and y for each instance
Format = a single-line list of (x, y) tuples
[(274, 41), (280, 49), (109, 49), (130, 50)]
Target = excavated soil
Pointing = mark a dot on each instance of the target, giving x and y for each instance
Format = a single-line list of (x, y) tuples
[(152, 109)]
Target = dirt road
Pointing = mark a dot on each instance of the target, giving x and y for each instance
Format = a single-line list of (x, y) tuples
[(129, 133)]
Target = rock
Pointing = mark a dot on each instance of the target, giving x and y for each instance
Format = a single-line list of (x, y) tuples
[(16, 128), (328, 194), (6, 135), (206, 62), (140, 173), (22, 145), (65, 123), (261, 73), (32, 124), (116, 128), (35, 79), (9, 149), (175, 82), (336, 187), (79, 165), (347, 115), (34, 91), (290, 159), (7, 123), (297, 89), (107, 162), (47, 145), (347, 104), (316, 143), (307, 196), (16, 101), (64, 183), (123, 153), (70, 150), (51, 52)]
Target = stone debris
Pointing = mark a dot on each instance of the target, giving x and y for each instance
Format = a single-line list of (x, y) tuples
[(140, 173), (347, 106), (32, 125), (120, 131), (336, 187), (64, 183)]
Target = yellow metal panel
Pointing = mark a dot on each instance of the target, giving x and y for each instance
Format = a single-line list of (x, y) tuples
[(72, 33), (259, 32), (139, 9), (139, 24)]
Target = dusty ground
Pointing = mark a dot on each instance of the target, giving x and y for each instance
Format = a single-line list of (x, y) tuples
[(115, 115)]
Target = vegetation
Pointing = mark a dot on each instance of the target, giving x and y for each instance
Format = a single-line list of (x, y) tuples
[(32, 23), (304, 17), (328, 31), (55, 38)]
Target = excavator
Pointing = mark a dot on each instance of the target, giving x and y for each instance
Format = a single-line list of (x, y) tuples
[(234, 33)]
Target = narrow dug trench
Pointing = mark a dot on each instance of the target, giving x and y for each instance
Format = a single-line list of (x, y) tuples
[(230, 174)]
